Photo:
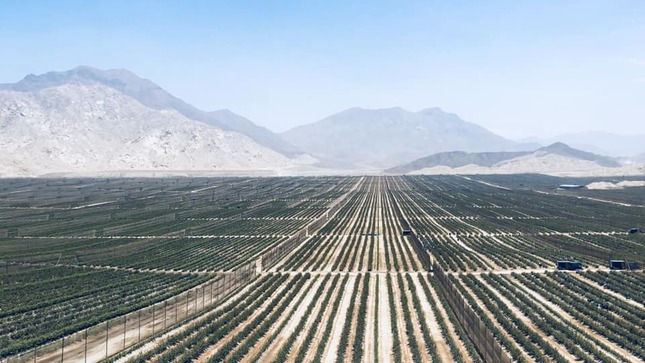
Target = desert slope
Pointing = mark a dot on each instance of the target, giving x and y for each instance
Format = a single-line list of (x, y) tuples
[(388, 137), (556, 159), (153, 96), (86, 128)]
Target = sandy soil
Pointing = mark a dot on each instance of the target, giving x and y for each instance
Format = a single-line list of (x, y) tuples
[(139, 326), (353, 313), (451, 329), (309, 325), (563, 316), (518, 313), (369, 343), (384, 328), (326, 316), (284, 334), (214, 348), (180, 313), (607, 291), (343, 313), (492, 318), (400, 322), (442, 349), (417, 335)]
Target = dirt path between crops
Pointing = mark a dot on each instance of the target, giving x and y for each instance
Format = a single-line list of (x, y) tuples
[(353, 327), (443, 352), (560, 314), (384, 327), (181, 328), (215, 347), (369, 343), (607, 291), (406, 355), (139, 326), (490, 315), (450, 328), (417, 335), (343, 313), (326, 310), (283, 335), (528, 322), (318, 309)]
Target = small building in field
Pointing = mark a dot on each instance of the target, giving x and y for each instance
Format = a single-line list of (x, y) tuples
[(623, 265), (617, 264), (568, 265), (570, 186)]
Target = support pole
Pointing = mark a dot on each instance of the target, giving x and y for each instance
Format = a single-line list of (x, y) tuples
[(107, 333), (125, 320), (139, 324)]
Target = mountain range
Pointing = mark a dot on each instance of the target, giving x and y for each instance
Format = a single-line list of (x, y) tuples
[(151, 95), (93, 128), (376, 139), (555, 159), (87, 121), (598, 142)]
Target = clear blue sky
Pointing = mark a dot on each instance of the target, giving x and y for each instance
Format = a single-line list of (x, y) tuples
[(519, 68)]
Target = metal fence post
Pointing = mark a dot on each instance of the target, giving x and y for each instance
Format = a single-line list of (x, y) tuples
[(139, 324), (125, 320), (107, 333)]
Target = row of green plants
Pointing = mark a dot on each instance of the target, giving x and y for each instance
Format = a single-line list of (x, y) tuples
[(176, 344), (629, 284), (610, 317), (572, 337), (36, 314), (287, 348)]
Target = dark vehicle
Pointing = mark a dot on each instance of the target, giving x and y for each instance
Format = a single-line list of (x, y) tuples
[(406, 232), (568, 265), (633, 230)]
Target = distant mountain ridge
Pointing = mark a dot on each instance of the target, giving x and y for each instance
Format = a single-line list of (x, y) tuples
[(599, 142), (92, 128), (555, 156), (387, 137), (153, 96), (456, 159)]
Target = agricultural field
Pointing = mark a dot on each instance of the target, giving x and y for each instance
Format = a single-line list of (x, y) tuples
[(319, 269)]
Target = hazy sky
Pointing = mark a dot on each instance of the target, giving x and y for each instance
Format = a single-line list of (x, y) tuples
[(519, 68)]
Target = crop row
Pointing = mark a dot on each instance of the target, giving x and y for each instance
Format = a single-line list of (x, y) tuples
[(35, 311)]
